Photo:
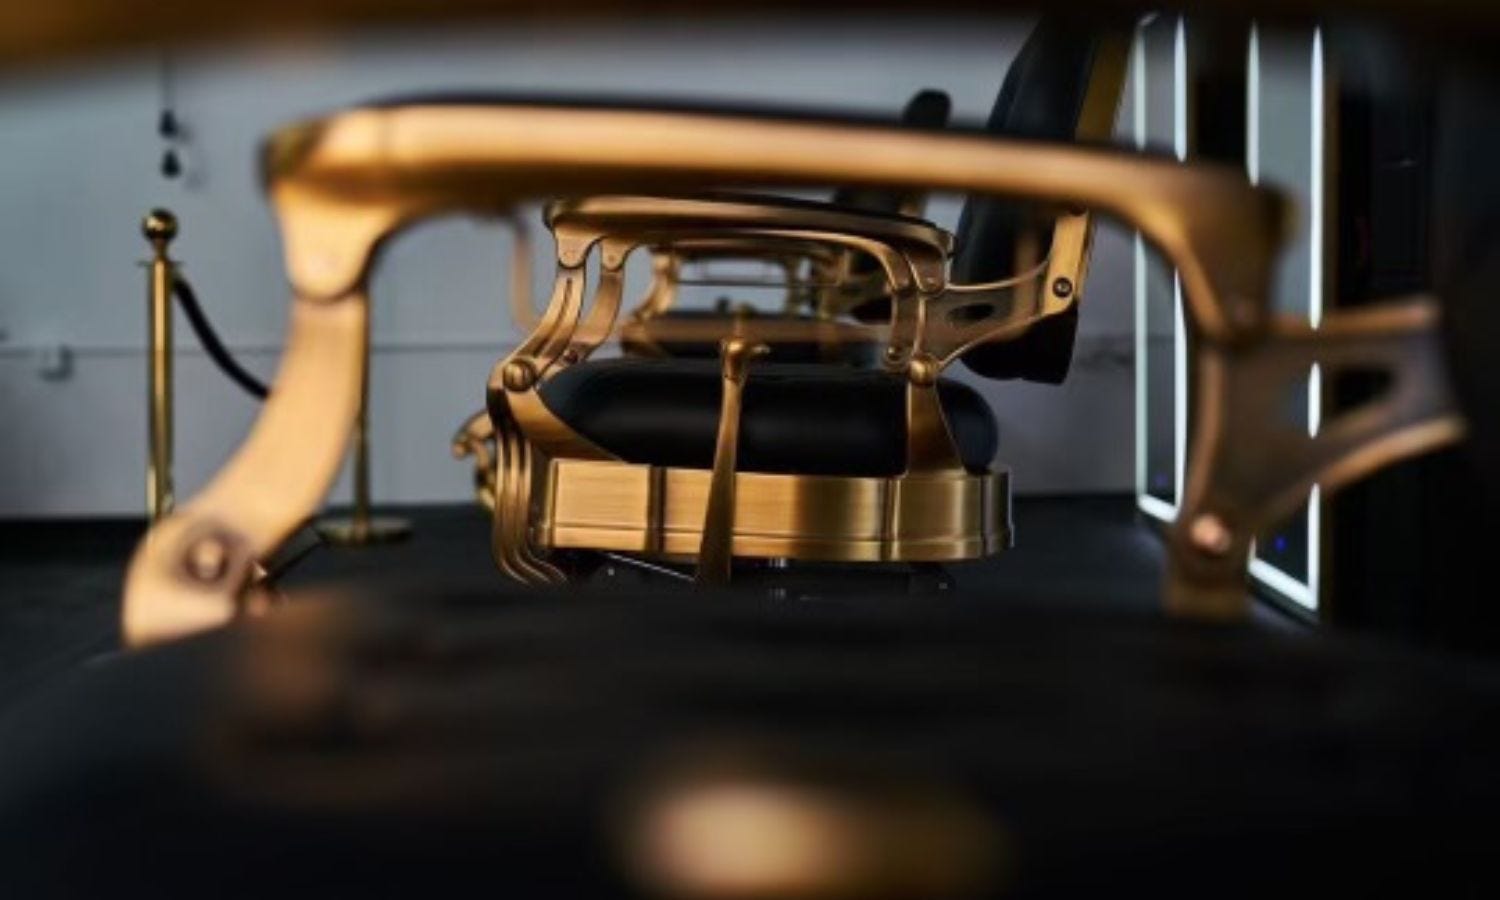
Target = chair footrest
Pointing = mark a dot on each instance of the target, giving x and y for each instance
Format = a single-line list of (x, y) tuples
[(627, 507)]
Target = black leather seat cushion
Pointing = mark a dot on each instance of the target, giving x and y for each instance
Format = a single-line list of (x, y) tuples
[(460, 745), (799, 419)]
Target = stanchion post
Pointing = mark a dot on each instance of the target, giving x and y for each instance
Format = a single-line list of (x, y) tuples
[(159, 227), (361, 527)]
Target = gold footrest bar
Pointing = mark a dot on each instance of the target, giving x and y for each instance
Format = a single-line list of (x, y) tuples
[(927, 517)]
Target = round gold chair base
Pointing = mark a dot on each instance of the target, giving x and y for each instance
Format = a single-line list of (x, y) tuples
[(946, 516), (360, 532)]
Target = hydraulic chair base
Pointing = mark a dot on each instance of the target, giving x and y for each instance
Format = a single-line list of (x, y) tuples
[(657, 511), (357, 531)]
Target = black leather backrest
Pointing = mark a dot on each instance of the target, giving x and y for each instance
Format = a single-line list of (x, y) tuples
[(927, 108), (1042, 98)]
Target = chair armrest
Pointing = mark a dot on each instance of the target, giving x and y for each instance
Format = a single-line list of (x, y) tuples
[(912, 254)]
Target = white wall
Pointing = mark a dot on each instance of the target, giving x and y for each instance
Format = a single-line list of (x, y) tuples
[(78, 167)]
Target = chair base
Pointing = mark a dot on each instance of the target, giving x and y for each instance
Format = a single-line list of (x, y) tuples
[(656, 511), (354, 531)]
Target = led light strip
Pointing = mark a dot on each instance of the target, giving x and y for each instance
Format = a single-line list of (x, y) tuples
[(1138, 115), (1305, 594), (1302, 593)]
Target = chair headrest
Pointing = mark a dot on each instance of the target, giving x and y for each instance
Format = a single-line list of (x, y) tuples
[(1042, 97)]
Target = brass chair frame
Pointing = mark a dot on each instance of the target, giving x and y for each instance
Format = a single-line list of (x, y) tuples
[(586, 498), (341, 186)]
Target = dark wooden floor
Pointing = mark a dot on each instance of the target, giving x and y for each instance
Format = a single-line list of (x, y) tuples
[(60, 581)]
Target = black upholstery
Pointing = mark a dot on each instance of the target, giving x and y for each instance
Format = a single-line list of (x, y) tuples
[(457, 746), (1042, 97), (801, 419), (926, 109)]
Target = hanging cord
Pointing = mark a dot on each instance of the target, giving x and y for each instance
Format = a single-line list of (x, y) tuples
[(167, 126), (211, 343)]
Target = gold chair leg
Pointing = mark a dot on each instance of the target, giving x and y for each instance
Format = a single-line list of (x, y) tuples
[(716, 552), (512, 523)]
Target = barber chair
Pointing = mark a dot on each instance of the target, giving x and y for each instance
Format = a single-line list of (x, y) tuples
[(885, 464)]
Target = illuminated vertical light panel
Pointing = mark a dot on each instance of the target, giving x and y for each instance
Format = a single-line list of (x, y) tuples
[(1252, 105), (1179, 329), (1303, 593), (1148, 503), (1138, 133)]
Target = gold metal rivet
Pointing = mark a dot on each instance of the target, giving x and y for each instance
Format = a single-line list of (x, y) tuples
[(923, 369), (159, 226), (1063, 287), (518, 375), (208, 559), (1210, 535)]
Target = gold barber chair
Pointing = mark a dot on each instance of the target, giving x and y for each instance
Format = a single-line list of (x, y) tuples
[(819, 279), (693, 461), (1062, 86)]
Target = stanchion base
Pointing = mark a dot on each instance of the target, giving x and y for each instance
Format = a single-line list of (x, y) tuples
[(352, 532)]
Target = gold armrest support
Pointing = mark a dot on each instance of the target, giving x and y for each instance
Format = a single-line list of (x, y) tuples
[(966, 315), (476, 438), (341, 187), (716, 553), (1250, 466)]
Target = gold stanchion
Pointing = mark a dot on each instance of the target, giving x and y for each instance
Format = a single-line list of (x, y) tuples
[(159, 227), (360, 528)]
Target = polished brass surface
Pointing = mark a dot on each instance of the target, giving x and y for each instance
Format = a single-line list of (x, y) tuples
[(159, 227), (361, 528), (274, 482), (911, 254), (1251, 465), (656, 511), (342, 185), (715, 554), (932, 322)]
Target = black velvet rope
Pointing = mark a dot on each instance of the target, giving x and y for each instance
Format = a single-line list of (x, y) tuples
[(211, 343)]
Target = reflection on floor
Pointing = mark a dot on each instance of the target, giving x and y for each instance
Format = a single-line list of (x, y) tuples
[(61, 579)]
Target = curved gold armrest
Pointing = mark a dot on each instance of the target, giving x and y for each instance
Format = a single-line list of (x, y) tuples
[(911, 253), (342, 186)]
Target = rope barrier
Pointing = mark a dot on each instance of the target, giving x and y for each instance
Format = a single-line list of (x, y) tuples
[(209, 338)]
